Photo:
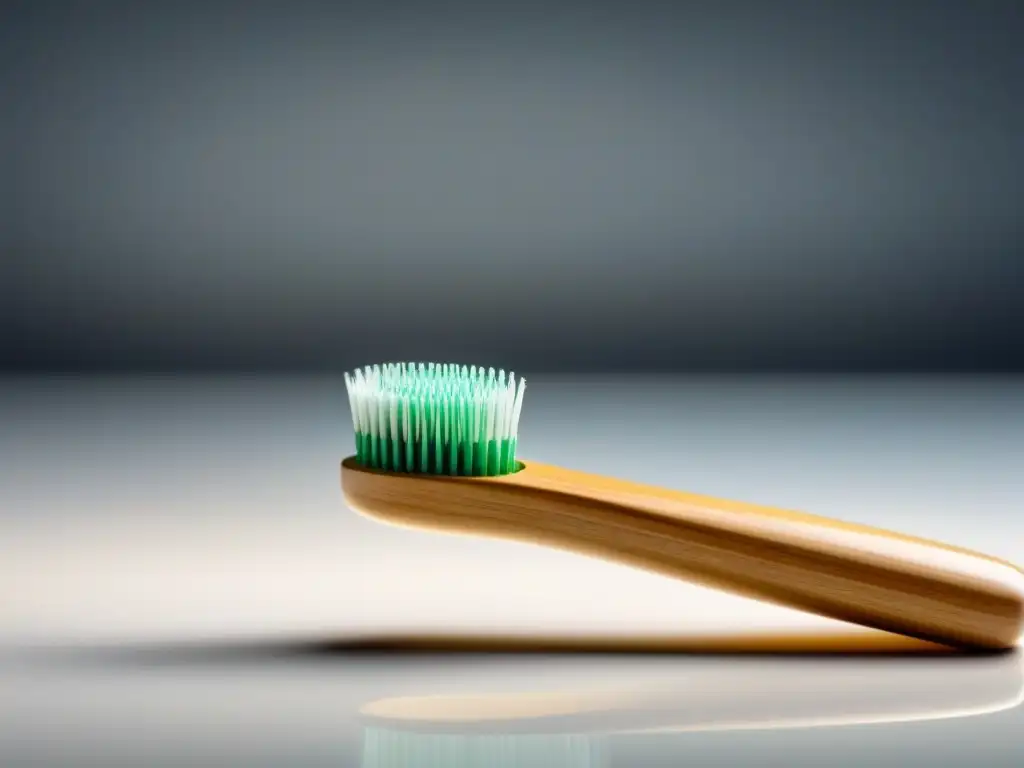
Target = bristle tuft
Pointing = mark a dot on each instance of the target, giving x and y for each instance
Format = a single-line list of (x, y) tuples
[(436, 418)]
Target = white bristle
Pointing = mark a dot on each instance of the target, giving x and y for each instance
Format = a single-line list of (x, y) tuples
[(458, 410)]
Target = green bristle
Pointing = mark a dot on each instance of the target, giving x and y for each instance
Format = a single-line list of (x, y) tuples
[(386, 748), (439, 419)]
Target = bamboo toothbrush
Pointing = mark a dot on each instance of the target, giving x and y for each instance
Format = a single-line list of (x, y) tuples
[(436, 449)]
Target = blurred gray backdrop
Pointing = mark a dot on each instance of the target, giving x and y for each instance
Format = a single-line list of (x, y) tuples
[(551, 186)]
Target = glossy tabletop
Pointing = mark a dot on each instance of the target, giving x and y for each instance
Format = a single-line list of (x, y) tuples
[(182, 583)]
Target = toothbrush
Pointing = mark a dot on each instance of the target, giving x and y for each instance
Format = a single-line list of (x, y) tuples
[(436, 449)]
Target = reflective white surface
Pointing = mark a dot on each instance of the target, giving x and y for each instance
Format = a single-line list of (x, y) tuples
[(202, 518), (170, 705)]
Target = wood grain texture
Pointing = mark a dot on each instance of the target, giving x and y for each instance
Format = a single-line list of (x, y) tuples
[(855, 573)]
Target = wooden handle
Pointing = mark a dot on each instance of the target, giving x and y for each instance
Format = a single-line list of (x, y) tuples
[(845, 571)]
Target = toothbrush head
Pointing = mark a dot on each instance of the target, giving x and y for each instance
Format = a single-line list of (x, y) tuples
[(435, 418)]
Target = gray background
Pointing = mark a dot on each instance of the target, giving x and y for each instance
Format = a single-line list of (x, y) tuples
[(564, 186)]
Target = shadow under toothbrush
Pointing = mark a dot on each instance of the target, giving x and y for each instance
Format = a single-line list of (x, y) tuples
[(393, 647)]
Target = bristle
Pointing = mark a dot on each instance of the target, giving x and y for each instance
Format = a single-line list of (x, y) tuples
[(435, 418)]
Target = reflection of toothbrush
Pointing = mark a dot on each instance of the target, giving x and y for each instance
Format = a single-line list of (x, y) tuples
[(436, 448), (756, 694), (570, 723)]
